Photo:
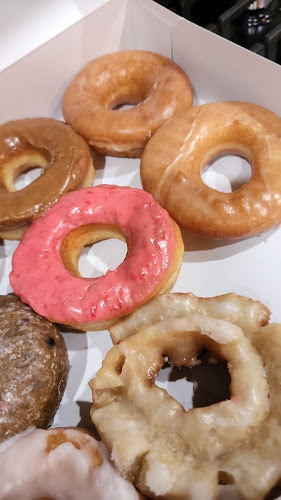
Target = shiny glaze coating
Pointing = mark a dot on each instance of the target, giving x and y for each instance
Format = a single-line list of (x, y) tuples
[(178, 454), (60, 464), (242, 311), (44, 271), (34, 368), (66, 164), (157, 88), (174, 158)]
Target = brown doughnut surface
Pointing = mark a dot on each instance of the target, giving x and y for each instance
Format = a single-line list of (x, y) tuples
[(33, 368), (154, 85), (65, 160)]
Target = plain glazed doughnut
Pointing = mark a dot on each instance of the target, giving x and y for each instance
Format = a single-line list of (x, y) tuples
[(34, 368), (156, 86), (45, 265), (174, 158), (66, 163), (60, 464), (178, 454)]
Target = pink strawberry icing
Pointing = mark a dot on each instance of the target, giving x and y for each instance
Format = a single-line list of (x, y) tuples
[(40, 279)]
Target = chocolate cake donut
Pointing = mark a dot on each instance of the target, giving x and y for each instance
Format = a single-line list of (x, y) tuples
[(33, 368)]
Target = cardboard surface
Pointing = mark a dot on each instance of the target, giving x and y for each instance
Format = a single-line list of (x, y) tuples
[(218, 70)]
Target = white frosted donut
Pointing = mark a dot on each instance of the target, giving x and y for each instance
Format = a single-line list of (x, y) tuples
[(156, 86), (175, 156), (178, 454), (60, 464)]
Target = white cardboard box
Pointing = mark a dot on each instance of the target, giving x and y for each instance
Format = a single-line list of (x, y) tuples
[(218, 70)]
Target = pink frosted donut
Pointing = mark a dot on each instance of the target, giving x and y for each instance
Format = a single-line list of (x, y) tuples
[(45, 265)]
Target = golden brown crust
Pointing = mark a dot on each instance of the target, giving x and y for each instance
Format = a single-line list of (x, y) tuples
[(173, 160), (66, 164), (34, 368), (154, 83)]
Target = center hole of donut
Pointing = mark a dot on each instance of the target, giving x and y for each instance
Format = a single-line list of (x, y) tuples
[(226, 173), (27, 177), (97, 259), (200, 386), (123, 106)]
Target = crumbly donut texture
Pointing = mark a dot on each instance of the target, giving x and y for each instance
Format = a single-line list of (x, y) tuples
[(175, 156), (177, 454), (61, 464), (34, 368), (45, 265), (66, 163), (154, 85)]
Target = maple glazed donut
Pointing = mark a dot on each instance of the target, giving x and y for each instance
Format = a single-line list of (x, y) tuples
[(34, 368), (157, 88), (45, 265), (63, 464), (66, 163), (173, 453), (175, 156)]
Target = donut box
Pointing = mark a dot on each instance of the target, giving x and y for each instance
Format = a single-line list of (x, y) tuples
[(218, 71)]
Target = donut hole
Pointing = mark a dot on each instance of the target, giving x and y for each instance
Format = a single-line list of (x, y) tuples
[(125, 100), (91, 250), (227, 173), (95, 260), (23, 170), (27, 177), (196, 387), (124, 106)]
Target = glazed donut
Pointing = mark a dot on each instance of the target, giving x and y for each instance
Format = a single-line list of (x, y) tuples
[(177, 454), (242, 311), (45, 265), (174, 158), (156, 86), (34, 368), (63, 464), (66, 164)]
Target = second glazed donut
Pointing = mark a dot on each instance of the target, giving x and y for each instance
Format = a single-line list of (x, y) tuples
[(45, 265), (156, 86), (174, 158)]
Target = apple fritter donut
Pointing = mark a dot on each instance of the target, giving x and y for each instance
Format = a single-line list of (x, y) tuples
[(34, 368), (45, 265), (63, 464), (156, 86), (66, 163), (178, 454), (175, 156)]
